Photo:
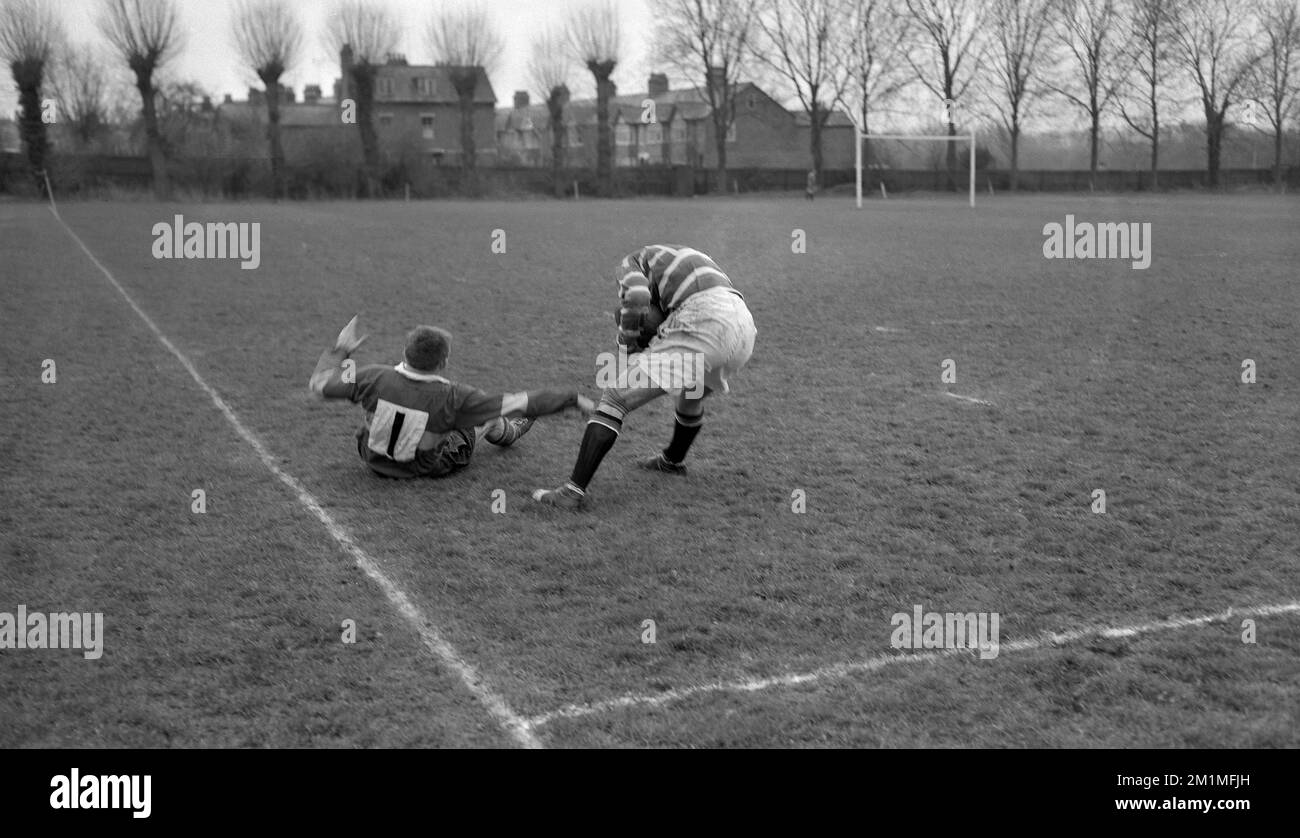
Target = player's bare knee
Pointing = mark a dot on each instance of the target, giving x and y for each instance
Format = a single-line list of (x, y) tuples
[(630, 398), (691, 404)]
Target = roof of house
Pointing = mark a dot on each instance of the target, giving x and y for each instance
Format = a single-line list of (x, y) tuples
[(444, 92), (295, 115), (837, 119), (690, 104)]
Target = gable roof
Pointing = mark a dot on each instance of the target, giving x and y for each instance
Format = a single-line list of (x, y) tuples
[(837, 119), (292, 114), (403, 80)]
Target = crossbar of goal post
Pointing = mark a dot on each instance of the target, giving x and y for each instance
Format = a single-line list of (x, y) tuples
[(940, 137)]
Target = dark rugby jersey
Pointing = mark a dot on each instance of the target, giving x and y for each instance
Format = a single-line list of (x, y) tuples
[(409, 411)]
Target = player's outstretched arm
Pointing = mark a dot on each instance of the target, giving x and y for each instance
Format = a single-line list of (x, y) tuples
[(327, 380), (477, 407)]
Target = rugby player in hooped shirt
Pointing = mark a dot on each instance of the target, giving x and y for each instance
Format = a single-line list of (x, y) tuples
[(418, 423), (675, 303)]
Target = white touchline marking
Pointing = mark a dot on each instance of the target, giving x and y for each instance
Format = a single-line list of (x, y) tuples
[(519, 728), (889, 329), (843, 670), (968, 399)]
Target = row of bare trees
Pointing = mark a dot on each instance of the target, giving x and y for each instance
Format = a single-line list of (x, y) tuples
[(1003, 62)]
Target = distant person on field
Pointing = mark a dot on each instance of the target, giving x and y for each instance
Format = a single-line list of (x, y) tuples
[(811, 188), (418, 423)]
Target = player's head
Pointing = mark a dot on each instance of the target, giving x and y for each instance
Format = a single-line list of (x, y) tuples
[(427, 348)]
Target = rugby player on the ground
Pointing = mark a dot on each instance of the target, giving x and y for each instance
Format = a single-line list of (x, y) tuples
[(418, 423)]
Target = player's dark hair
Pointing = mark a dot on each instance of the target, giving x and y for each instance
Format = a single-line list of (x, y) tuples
[(427, 348)]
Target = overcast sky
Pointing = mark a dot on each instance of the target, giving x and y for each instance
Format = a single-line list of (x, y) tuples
[(209, 60)]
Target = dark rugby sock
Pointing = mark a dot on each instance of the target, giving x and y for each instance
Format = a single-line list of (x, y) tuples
[(602, 431), (685, 429)]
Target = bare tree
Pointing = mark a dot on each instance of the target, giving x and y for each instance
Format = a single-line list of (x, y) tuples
[(709, 40), (80, 86), (1020, 30), (363, 34), (802, 43), (466, 41), (268, 39), (1213, 45), (1092, 32), (548, 70), (878, 36), (1275, 80), (1149, 22), (596, 41), (147, 35), (30, 33), (955, 50)]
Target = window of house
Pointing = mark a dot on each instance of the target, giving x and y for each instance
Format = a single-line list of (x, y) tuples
[(623, 134), (385, 119), (383, 87), (654, 134), (751, 101), (731, 132), (575, 137), (425, 85), (677, 133), (426, 125)]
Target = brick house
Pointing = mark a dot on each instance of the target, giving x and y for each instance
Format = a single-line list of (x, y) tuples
[(763, 135), (416, 107)]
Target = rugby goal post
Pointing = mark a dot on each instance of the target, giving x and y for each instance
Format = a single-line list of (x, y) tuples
[(857, 158)]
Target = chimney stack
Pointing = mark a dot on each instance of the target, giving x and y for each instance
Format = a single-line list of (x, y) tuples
[(717, 77), (658, 84), (521, 99)]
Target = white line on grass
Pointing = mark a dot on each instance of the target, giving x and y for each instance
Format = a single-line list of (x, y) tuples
[(843, 670), (515, 725), (968, 399)]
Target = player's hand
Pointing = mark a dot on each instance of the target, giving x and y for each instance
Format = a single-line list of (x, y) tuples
[(584, 407), (631, 339), (348, 341)]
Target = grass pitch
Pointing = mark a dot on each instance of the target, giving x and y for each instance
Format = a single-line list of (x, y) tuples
[(223, 629)]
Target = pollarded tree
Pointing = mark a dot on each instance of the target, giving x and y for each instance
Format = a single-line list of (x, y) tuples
[(146, 35), (467, 42), (596, 41), (363, 34), (30, 34), (548, 70), (268, 39)]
